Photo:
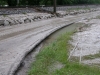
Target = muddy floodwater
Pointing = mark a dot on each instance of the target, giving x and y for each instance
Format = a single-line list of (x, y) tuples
[(30, 58)]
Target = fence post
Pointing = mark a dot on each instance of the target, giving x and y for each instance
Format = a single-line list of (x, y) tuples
[(54, 6)]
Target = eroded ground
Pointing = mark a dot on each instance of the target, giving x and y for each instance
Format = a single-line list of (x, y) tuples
[(86, 42)]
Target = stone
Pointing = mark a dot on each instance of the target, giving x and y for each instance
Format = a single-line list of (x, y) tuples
[(71, 13), (27, 20), (6, 23), (1, 22), (12, 22), (16, 22)]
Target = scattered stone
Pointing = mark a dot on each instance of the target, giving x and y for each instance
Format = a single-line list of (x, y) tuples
[(1, 22), (27, 20), (20, 16), (6, 23), (9, 11), (12, 22)]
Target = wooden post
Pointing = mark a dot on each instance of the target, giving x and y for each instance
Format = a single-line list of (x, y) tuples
[(17, 2), (54, 6)]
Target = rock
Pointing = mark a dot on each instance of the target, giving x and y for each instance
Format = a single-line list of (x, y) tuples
[(6, 23), (71, 13), (35, 18), (16, 22), (1, 22), (20, 21), (12, 22), (30, 17), (27, 20), (38, 18)]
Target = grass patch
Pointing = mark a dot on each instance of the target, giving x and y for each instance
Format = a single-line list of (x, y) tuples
[(98, 17), (24, 13), (74, 59), (58, 52), (4, 15), (91, 56)]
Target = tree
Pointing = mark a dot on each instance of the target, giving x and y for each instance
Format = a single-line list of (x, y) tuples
[(12, 2), (3, 2), (48, 2), (33, 2)]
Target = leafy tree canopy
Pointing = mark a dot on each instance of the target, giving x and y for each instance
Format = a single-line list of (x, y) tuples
[(47, 2)]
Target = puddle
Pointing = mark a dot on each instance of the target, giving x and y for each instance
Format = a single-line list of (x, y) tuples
[(26, 64)]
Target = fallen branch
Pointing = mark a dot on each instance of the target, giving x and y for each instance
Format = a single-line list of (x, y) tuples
[(73, 50)]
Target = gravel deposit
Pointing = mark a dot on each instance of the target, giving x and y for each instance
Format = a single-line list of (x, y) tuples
[(8, 11), (65, 8), (28, 15), (15, 19)]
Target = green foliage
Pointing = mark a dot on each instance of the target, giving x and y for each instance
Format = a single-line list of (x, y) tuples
[(3, 2), (92, 56), (11, 2), (48, 2), (58, 52)]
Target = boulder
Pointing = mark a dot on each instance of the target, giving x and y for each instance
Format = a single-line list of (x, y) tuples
[(12, 22), (6, 23), (27, 20)]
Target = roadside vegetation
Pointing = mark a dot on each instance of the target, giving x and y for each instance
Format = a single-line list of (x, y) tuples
[(91, 56), (98, 17), (46, 2), (53, 60)]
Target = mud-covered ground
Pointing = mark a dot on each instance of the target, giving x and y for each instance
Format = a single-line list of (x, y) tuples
[(86, 42)]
